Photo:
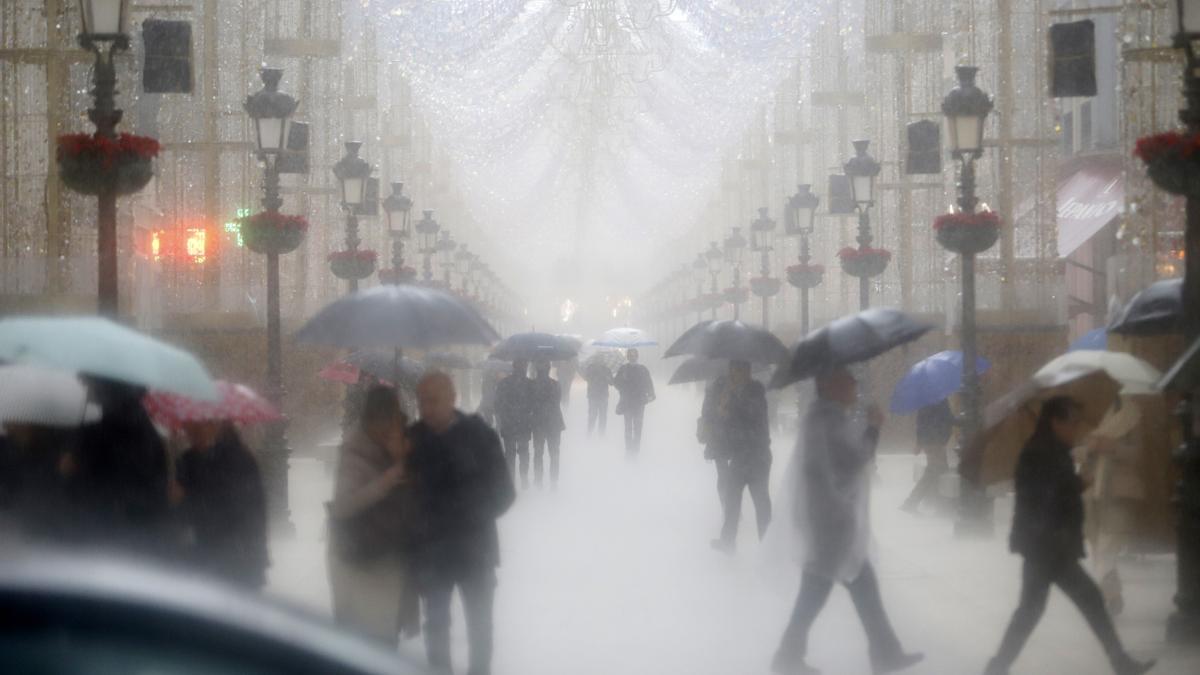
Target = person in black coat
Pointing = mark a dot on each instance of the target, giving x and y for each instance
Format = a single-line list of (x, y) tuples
[(935, 424), (548, 423), (636, 387), (734, 414), (599, 378), (223, 505), (514, 414), (461, 486), (1047, 531)]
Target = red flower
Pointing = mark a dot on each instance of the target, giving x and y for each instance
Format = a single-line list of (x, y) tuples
[(108, 150), (362, 256), (277, 220), (850, 253), (981, 219), (1171, 143)]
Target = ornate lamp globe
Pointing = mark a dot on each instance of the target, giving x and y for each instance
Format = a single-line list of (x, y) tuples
[(271, 111), (966, 107), (862, 169)]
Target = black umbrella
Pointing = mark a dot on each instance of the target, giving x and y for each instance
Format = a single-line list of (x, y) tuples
[(395, 317), (534, 347), (731, 340), (701, 369), (494, 365), (448, 360), (384, 365), (848, 340), (1156, 310), (1184, 374)]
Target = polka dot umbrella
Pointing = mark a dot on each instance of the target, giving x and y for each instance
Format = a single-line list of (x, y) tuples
[(237, 403)]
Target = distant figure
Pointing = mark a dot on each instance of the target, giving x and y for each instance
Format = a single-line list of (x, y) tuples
[(548, 423), (599, 378), (514, 412), (739, 442), (487, 396), (636, 387), (566, 371), (461, 486), (935, 424), (221, 502), (832, 483), (1047, 531), (368, 524)]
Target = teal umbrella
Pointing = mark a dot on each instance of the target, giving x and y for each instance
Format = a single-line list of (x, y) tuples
[(90, 345)]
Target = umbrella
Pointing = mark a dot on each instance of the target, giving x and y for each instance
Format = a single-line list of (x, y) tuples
[(238, 403), (340, 372), (51, 398), (1155, 310), (101, 348), (701, 369), (848, 340), (386, 365), (1097, 338), (625, 338), (931, 380), (533, 347), (396, 317), (447, 360), (731, 340), (575, 341), (1092, 378), (609, 358), (494, 366)]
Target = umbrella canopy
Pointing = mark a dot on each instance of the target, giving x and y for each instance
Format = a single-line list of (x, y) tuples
[(701, 369), (238, 403), (339, 372), (448, 360), (1097, 338), (575, 341), (1184, 374), (494, 366), (383, 365), (534, 347), (625, 338), (848, 340), (51, 398), (1133, 374), (730, 340), (1155, 310), (94, 346), (932, 380), (609, 358), (393, 317)]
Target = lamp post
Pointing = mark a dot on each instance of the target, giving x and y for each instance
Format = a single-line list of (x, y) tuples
[(699, 274), (716, 259), (352, 173), (271, 111), (427, 238), (801, 218), (735, 250), (462, 266), (104, 24), (397, 208), (445, 252), (762, 240), (966, 108), (862, 169), (1184, 623)]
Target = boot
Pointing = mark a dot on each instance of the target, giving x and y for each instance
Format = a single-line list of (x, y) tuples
[(791, 666), (1126, 665), (898, 661), (994, 668)]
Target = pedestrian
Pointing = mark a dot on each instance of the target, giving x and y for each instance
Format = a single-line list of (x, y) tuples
[(461, 487), (514, 412), (832, 482), (739, 443), (487, 396), (548, 423), (566, 372), (368, 519), (220, 499), (33, 494), (935, 424), (636, 387), (599, 378), (1047, 532)]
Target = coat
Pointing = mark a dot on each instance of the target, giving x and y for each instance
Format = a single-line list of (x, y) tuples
[(225, 508), (368, 517), (547, 408), (461, 485), (833, 482), (737, 424), (935, 424), (514, 407), (1048, 515), (635, 385), (599, 379)]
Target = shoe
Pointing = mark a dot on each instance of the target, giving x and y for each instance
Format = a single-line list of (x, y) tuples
[(785, 666), (1128, 666), (910, 509), (994, 668), (899, 661), (723, 546)]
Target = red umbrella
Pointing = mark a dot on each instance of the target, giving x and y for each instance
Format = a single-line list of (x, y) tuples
[(340, 372), (238, 403)]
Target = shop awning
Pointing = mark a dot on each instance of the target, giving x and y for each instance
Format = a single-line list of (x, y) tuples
[(1088, 199)]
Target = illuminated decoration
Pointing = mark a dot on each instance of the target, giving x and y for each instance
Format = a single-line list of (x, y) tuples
[(234, 227), (156, 244), (188, 245), (195, 245)]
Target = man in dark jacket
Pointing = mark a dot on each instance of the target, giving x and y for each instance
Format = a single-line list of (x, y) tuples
[(461, 485), (514, 413), (566, 372), (548, 423), (739, 442), (935, 424), (636, 387), (599, 379), (1047, 531)]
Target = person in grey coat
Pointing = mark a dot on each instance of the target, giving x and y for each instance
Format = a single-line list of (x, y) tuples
[(514, 414), (831, 505)]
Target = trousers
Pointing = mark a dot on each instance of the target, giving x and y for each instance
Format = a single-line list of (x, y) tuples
[(516, 451), (544, 441), (597, 415), (936, 465), (477, 587), (634, 415), (733, 479), (864, 592)]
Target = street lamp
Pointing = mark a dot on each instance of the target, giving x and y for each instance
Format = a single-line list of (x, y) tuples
[(462, 266), (445, 252), (270, 111), (801, 222), (762, 239), (427, 232), (699, 275), (862, 169), (716, 259), (352, 173), (397, 208), (735, 251)]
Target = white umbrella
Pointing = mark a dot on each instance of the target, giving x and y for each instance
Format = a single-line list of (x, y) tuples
[(1135, 376), (52, 398), (625, 338)]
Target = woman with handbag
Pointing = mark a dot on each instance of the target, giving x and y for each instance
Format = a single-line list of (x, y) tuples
[(367, 523)]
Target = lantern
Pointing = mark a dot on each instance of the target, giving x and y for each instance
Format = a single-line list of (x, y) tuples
[(762, 232), (427, 231), (103, 19), (802, 211), (735, 247), (352, 173), (862, 169), (397, 207), (271, 111), (966, 107)]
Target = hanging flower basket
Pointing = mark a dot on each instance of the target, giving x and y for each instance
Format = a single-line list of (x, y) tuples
[(268, 232), (352, 265), (94, 165), (805, 276), (765, 287), (404, 275), (864, 262), (736, 296), (1172, 161), (967, 233)]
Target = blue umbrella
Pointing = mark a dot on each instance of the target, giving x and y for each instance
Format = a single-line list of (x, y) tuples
[(1097, 338), (931, 380)]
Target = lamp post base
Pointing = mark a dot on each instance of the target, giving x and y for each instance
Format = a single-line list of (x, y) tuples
[(275, 468)]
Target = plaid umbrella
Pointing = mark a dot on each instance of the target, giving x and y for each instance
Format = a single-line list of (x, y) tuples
[(238, 403)]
